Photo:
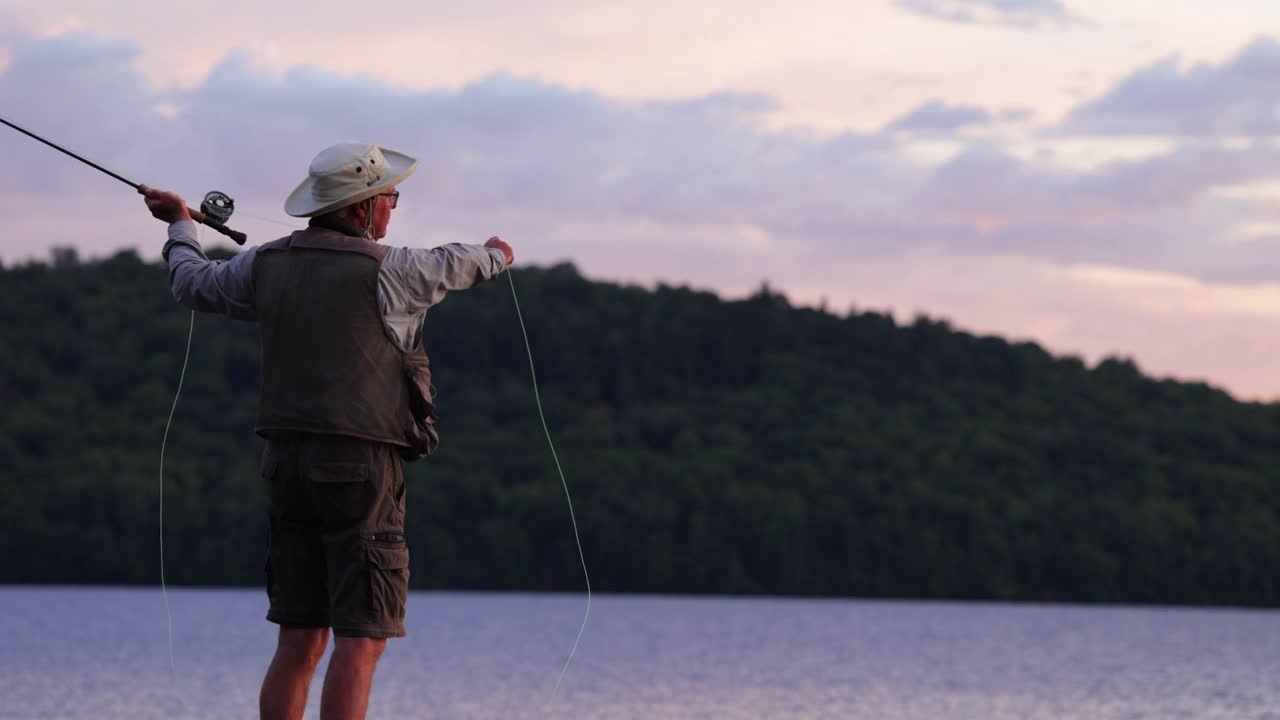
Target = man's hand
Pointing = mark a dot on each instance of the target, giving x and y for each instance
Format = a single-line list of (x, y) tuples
[(165, 206), (496, 242)]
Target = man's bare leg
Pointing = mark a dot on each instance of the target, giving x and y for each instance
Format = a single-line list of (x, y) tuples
[(284, 689), (349, 678)]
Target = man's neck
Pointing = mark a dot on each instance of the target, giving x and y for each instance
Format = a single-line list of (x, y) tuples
[(337, 224)]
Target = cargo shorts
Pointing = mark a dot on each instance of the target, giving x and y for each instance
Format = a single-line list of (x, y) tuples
[(336, 554)]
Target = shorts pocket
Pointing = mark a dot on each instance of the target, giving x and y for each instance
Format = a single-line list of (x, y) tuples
[(340, 493), (388, 582)]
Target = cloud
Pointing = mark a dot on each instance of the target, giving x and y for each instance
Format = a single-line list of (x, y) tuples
[(1158, 213), (1017, 115), (560, 160), (1016, 13), (83, 93), (937, 116), (12, 26), (695, 189), (1237, 97)]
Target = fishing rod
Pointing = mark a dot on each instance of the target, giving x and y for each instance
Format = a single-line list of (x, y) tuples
[(215, 209)]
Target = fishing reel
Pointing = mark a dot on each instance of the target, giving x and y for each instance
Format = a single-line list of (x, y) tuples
[(218, 205), (215, 210)]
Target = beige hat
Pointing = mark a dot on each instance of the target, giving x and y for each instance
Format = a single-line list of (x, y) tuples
[(345, 174)]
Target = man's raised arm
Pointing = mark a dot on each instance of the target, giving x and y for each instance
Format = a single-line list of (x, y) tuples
[(196, 281), (413, 279)]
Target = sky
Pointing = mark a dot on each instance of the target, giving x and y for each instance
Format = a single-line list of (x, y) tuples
[(1102, 178)]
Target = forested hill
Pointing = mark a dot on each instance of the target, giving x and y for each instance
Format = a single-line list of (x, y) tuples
[(711, 446)]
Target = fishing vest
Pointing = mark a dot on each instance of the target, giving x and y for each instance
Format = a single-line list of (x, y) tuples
[(328, 364)]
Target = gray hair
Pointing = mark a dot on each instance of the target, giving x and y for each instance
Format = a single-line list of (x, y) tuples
[(346, 215)]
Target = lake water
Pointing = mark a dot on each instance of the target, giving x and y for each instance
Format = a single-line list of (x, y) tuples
[(103, 653)]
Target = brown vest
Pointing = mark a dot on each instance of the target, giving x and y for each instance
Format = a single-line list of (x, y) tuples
[(328, 365)]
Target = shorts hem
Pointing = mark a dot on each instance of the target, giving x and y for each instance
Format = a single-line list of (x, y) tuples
[(377, 632), (296, 621)]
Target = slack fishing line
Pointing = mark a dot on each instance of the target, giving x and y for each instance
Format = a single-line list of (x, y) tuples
[(576, 537), (168, 616), (214, 212)]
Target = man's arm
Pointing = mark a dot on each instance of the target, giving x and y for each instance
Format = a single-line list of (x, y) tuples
[(209, 285), (412, 280), (196, 281)]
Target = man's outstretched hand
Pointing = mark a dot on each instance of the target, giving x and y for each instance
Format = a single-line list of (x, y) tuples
[(165, 206), (496, 242)]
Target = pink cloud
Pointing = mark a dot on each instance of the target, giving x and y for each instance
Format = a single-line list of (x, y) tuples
[(696, 190)]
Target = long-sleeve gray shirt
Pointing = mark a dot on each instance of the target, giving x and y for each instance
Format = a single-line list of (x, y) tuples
[(410, 280)]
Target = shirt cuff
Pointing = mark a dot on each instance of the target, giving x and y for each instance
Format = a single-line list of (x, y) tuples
[(182, 232), (500, 256)]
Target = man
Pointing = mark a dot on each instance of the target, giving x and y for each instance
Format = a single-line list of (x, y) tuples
[(345, 393)]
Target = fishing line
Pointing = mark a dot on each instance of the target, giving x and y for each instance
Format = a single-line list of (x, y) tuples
[(273, 221), (576, 537), (163, 442)]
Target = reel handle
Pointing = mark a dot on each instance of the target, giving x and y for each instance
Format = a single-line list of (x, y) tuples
[(205, 219)]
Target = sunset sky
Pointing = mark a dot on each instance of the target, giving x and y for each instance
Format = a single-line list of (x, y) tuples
[(1101, 177)]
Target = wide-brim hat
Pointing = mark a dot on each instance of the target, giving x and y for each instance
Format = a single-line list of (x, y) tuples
[(345, 174)]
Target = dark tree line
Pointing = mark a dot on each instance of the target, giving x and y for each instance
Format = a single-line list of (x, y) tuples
[(711, 446)]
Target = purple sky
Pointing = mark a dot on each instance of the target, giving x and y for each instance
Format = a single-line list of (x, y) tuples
[(1112, 204)]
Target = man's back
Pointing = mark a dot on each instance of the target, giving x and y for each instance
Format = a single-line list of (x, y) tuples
[(328, 365)]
